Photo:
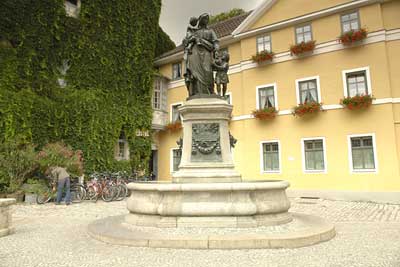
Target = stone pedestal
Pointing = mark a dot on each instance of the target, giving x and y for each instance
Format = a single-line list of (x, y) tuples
[(206, 150), (5, 216)]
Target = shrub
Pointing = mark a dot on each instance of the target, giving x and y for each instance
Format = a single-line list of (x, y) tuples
[(17, 162), (58, 154)]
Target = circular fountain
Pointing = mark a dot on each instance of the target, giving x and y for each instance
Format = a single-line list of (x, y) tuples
[(208, 205)]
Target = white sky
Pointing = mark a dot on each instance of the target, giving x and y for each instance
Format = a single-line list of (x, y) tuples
[(175, 14)]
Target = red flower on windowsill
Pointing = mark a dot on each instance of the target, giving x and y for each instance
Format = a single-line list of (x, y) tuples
[(265, 113), (174, 126), (307, 108), (302, 47), (357, 102), (351, 37), (263, 56)]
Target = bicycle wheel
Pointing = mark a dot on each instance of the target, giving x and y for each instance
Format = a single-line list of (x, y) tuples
[(122, 192), (91, 193), (78, 193), (108, 193), (44, 196)]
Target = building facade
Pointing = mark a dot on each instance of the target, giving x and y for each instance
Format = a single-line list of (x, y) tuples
[(336, 153)]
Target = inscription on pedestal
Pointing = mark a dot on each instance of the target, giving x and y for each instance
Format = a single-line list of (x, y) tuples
[(206, 142)]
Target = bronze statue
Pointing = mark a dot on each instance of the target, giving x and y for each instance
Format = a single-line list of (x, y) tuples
[(201, 43), (221, 65)]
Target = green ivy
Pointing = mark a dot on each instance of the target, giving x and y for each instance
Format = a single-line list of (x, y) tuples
[(109, 49)]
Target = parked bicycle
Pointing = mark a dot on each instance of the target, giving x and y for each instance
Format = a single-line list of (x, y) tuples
[(78, 192)]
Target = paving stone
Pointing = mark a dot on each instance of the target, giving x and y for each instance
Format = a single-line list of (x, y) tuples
[(50, 235)]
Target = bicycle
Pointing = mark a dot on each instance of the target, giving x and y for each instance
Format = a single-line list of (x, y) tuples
[(78, 193)]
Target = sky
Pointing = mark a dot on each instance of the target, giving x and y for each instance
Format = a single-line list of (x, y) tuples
[(175, 14)]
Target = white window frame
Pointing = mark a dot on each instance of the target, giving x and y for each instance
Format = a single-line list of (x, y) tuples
[(350, 154), (274, 85), (171, 108), (180, 70), (160, 90), (303, 153), (262, 156), (125, 153), (229, 94), (367, 74), (270, 43), (171, 159), (302, 26), (298, 81), (349, 13)]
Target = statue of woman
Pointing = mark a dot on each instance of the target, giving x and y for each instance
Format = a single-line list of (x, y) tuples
[(199, 68)]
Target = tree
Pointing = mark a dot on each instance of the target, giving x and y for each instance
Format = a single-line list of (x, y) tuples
[(226, 15)]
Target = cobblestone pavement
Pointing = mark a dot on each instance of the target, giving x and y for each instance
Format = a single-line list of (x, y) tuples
[(368, 235)]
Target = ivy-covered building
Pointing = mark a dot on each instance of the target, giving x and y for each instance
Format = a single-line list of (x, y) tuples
[(81, 72)]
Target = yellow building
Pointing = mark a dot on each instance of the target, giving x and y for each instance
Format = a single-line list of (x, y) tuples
[(337, 153)]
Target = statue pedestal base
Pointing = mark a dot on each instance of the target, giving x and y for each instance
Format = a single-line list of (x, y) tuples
[(206, 149)]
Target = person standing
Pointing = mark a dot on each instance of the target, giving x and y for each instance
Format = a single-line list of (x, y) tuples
[(63, 181)]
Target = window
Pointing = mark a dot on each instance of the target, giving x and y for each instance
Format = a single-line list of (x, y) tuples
[(176, 159), (176, 71), (157, 94), (72, 8), (271, 162), (266, 97), (314, 155), (122, 148), (175, 116), (303, 34), (362, 153), (308, 90), (228, 97), (350, 22), (264, 43), (356, 82)]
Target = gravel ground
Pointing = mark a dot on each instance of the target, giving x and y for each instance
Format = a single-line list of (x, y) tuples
[(368, 234)]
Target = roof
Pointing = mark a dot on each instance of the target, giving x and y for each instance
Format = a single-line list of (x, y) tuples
[(222, 29)]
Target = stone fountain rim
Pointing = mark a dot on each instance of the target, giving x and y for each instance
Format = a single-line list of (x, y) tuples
[(237, 186)]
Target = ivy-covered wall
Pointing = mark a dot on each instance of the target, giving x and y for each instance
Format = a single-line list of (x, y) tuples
[(107, 54)]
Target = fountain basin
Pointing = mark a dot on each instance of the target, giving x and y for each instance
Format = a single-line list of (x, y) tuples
[(245, 204)]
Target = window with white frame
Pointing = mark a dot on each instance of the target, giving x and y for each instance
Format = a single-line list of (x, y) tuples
[(308, 91), (303, 34), (122, 148), (228, 98), (176, 159), (350, 22), (264, 43), (314, 154), (72, 7), (271, 157), (362, 153), (157, 94), (176, 71), (175, 116), (357, 83), (266, 97)]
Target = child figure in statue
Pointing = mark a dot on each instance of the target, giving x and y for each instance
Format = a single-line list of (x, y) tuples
[(188, 43), (221, 65)]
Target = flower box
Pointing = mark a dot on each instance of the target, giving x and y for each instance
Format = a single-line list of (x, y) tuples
[(351, 37), (357, 102), (302, 47), (265, 113), (307, 108), (174, 126), (263, 56)]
